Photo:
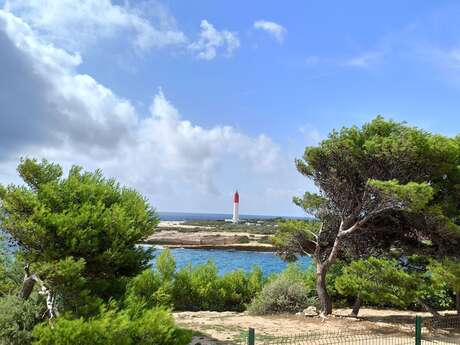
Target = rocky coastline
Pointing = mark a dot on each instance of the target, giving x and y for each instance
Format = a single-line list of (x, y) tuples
[(209, 240)]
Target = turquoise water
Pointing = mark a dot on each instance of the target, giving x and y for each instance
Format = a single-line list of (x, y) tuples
[(228, 260)]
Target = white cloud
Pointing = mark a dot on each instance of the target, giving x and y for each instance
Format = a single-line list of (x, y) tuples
[(211, 40), (75, 24), (276, 30), (50, 110), (366, 60)]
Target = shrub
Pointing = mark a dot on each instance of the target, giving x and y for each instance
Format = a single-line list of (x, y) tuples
[(201, 288), (142, 289), (18, 318), (243, 239), (194, 287), (379, 281), (154, 288), (430, 291), (112, 327), (197, 288), (239, 288), (282, 295)]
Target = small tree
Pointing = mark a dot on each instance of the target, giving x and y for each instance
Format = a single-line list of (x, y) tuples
[(369, 181), (447, 272), (78, 234), (378, 281)]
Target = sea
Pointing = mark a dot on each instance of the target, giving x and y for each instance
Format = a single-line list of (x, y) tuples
[(226, 260), (186, 216), (230, 260)]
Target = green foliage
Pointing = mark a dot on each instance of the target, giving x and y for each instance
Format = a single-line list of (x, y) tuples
[(415, 196), (435, 294), (296, 237), (142, 289), (383, 186), (446, 272), (79, 232), (154, 288), (166, 265), (377, 281), (194, 287), (201, 288), (407, 169), (311, 203), (115, 327), (18, 318), (285, 293), (11, 272)]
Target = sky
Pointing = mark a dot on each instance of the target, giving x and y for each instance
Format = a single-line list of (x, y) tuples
[(187, 101)]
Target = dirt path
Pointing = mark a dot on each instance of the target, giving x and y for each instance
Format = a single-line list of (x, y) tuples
[(215, 327)]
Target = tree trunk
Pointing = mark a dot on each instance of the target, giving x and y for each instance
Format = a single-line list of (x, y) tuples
[(27, 287), (321, 290), (457, 297), (356, 306)]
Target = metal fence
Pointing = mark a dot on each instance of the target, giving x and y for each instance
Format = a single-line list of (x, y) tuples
[(439, 330), (429, 331)]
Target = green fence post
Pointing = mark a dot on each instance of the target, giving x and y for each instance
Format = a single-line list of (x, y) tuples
[(418, 330), (251, 336)]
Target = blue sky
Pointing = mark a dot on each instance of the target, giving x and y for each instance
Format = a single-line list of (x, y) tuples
[(187, 100)]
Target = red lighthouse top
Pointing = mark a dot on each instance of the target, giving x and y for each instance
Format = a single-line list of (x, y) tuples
[(236, 197)]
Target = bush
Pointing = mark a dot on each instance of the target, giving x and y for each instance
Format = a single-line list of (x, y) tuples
[(283, 294), (143, 289), (201, 288), (125, 327), (378, 281), (239, 288), (18, 318), (194, 287)]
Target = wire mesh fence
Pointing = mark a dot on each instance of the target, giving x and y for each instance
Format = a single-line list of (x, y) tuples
[(443, 330), (350, 338)]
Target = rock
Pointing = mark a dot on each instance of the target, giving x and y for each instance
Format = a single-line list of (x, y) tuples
[(310, 311)]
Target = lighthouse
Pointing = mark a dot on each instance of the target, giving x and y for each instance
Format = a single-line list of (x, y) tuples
[(236, 201)]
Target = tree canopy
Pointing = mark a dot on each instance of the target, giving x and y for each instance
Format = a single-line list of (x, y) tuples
[(382, 185), (378, 281), (78, 233)]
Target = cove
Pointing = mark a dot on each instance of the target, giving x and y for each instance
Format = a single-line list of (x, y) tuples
[(230, 260)]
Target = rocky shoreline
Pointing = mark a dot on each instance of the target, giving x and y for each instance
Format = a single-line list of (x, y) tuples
[(209, 240)]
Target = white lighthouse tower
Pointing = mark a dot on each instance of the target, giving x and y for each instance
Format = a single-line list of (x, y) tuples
[(236, 201)]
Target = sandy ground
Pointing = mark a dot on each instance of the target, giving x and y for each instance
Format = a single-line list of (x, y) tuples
[(229, 327)]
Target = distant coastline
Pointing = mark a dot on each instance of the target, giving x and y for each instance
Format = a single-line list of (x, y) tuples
[(188, 216), (211, 231)]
